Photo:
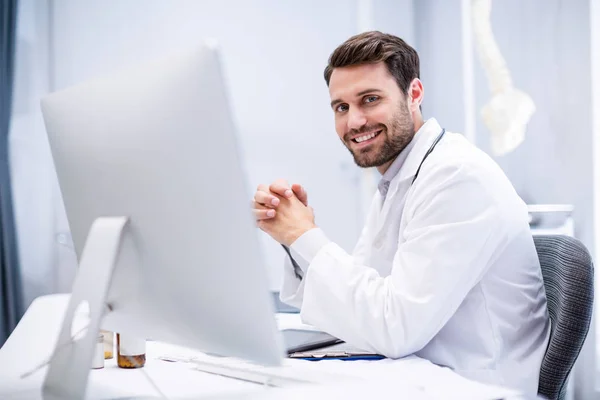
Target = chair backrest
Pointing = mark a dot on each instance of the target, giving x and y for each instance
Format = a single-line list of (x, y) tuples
[(568, 274)]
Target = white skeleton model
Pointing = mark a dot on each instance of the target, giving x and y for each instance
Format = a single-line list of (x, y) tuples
[(507, 113)]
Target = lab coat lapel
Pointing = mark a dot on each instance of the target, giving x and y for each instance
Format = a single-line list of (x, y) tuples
[(402, 181)]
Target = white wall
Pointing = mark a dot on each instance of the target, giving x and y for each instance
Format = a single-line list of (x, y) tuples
[(35, 191), (547, 46), (438, 37), (587, 386), (550, 60), (274, 54), (396, 17)]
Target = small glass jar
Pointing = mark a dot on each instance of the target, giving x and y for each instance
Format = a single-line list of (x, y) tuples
[(98, 360), (131, 351), (109, 344)]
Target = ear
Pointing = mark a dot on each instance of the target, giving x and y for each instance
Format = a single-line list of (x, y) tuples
[(415, 94)]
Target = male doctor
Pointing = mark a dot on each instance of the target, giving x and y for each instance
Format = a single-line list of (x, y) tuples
[(445, 267)]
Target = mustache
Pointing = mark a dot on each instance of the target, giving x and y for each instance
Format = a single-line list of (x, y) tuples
[(363, 129)]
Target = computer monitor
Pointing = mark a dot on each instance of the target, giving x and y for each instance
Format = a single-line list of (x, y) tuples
[(152, 178)]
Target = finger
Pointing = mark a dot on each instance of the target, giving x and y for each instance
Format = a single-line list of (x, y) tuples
[(266, 199), (282, 188), (300, 193), (262, 188), (263, 214)]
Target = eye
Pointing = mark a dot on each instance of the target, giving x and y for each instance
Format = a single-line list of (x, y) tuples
[(371, 99), (342, 107)]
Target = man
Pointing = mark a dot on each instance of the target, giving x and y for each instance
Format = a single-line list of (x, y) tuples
[(445, 267)]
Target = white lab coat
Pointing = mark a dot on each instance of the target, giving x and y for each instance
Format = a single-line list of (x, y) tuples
[(445, 269)]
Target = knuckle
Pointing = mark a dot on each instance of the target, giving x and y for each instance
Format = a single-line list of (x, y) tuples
[(280, 183)]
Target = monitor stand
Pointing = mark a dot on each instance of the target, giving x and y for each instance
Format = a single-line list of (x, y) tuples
[(72, 358)]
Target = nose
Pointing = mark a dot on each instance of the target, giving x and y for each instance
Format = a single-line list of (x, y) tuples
[(356, 119)]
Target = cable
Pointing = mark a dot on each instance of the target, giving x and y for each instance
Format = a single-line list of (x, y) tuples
[(47, 361)]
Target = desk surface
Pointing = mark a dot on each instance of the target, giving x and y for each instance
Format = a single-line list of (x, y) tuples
[(175, 372)]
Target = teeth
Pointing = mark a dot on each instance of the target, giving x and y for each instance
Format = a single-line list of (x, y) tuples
[(366, 137)]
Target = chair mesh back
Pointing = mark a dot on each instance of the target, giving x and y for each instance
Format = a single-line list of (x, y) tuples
[(568, 274)]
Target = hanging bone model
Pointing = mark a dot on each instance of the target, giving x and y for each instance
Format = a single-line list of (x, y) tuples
[(507, 113)]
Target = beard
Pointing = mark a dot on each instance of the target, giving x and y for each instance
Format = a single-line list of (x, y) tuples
[(395, 136)]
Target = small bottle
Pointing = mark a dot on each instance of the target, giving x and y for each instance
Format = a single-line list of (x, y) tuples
[(109, 344), (131, 351), (98, 360)]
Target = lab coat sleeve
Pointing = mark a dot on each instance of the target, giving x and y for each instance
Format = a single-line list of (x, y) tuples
[(309, 244), (304, 250), (453, 233)]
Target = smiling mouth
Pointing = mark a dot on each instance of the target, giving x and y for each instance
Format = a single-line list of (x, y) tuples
[(369, 137)]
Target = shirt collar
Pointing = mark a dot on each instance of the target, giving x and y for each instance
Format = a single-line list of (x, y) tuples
[(394, 168)]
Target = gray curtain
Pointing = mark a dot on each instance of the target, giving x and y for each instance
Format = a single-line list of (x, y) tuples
[(11, 302)]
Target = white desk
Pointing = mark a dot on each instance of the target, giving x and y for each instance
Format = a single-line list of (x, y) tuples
[(414, 378)]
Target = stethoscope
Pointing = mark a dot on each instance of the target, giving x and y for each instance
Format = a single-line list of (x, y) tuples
[(435, 142), (297, 268)]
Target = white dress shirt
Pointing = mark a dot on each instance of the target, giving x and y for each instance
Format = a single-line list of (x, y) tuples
[(444, 268)]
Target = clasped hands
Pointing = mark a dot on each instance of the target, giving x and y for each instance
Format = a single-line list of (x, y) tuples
[(282, 211)]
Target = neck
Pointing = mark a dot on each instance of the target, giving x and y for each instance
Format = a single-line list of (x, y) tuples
[(384, 167), (418, 124)]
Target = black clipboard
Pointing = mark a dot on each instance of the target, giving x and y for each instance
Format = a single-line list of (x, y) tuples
[(303, 340)]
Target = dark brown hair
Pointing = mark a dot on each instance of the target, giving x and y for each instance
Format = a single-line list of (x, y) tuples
[(402, 60)]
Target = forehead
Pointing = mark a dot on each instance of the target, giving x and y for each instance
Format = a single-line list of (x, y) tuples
[(348, 81)]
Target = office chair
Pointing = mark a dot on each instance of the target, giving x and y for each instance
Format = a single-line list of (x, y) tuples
[(568, 273)]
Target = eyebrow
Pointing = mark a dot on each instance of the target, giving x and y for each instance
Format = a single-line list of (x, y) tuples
[(361, 93)]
